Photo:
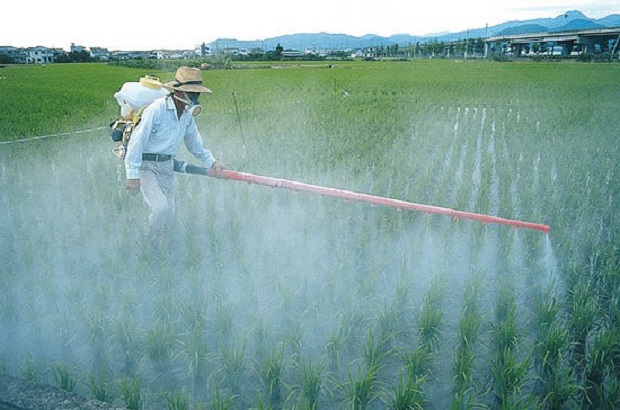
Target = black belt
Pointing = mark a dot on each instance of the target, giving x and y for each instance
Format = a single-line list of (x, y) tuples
[(156, 157)]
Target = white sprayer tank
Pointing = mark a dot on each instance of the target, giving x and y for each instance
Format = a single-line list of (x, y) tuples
[(135, 95)]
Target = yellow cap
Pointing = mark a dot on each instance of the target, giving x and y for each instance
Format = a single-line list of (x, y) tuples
[(151, 82)]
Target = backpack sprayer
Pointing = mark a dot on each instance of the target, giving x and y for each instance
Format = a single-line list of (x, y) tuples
[(134, 97)]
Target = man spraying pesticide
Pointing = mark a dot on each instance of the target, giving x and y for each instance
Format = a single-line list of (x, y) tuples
[(168, 121), (154, 137)]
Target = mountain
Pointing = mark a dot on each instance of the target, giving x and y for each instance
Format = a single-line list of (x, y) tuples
[(613, 20), (571, 20)]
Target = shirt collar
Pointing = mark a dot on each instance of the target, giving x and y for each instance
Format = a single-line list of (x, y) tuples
[(170, 103)]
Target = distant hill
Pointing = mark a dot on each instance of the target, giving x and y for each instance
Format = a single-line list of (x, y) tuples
[(571, 20)]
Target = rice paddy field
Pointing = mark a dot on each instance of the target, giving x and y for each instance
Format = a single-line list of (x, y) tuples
[(270, 299)]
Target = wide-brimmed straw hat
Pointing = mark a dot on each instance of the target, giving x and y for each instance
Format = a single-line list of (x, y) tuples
[(188, 79)]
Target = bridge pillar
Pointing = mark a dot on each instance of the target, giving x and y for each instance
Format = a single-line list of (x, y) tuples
[(588, 43)]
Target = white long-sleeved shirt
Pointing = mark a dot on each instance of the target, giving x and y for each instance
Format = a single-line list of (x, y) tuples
[(160, 131)]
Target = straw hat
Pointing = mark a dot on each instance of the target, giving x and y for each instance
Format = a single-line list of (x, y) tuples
[(188, 79)]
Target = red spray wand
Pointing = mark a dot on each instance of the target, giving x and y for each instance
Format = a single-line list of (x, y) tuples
[(355, 196)]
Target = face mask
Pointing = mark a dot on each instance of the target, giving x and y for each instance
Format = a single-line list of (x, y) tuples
[(192, 105)]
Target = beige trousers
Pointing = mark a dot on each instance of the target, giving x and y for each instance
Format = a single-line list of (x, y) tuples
[(157, 185)]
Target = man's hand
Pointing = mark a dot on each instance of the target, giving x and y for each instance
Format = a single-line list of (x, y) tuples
[(132, 185), (218, 167)]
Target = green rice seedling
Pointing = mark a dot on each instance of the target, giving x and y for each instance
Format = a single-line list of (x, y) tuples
[(271, 373), (31, 370), (361, 390), (509, 379), (550, 349), (129, 343), (159, 345), (218, 402), (233, 365), (64, 377), (401, 296), (468, 332), (374, 352), (223, 320), (97, 327), (294, 338), (464, 400), (338, 342), (560, 389), (417, 362), (132, 394), (311, 386), (546, 308), (177, 401), (431, 314), (612, 400), (388, 322), (604, 345), (469, 328), (582, 315), (505, 332), (193, 314), (507, 371), (100, 387), (195, 350), (407, 395), (462, 370)]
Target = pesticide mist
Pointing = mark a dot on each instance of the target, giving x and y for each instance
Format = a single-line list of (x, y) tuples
[(279, 299)]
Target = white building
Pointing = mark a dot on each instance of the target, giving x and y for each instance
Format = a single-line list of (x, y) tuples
[(40, 55)]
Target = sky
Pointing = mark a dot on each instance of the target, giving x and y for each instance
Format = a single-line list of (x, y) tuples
[(132, 25)]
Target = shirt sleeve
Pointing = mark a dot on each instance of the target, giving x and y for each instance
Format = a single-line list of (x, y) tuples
[(195, 145), (135, 148)]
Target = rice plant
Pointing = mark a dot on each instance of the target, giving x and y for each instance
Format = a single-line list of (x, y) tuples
[(311, 382), (375, 351), (219, 402), (407, 395), (430, 316), (232, 361), (129, 342), (508, 369), (505, 332), (132, 394), (100, 386), (417, 363), (159, 345), (598, 367), (271, 373), (509, 379), (177, 401), (31, 370), (582, 314), (360, 390), (194, 349), (338, 341), (64, 377)]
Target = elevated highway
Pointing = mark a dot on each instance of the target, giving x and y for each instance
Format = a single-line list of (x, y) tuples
[(586, 41)]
